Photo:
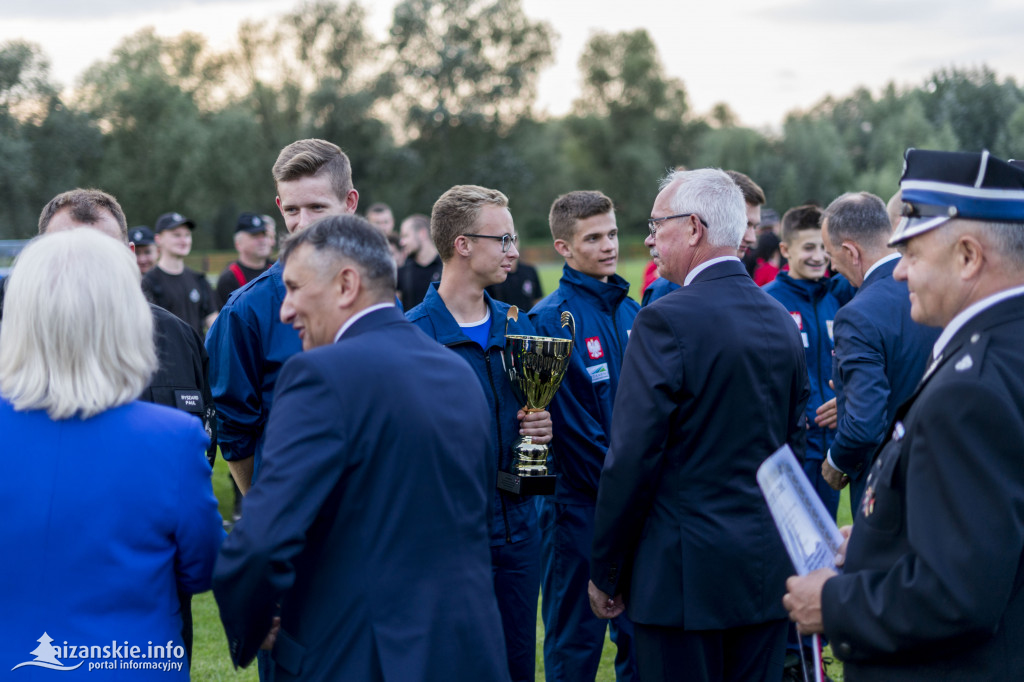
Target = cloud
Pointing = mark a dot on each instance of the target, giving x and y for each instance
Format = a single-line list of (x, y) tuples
[(920, 12), (99, 9)]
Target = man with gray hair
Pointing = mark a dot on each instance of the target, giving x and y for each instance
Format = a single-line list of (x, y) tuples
[(932, 583), (880, 352), (370, 518), (714, 380)]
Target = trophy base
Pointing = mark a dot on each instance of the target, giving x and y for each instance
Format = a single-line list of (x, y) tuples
[(526, 485)]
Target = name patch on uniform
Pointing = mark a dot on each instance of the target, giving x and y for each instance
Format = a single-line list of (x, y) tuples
[(598, 373), (190, 401), (594, 349)]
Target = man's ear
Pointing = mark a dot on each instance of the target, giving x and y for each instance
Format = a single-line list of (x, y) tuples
[(969, 256), (563, 248), (352, 201), (697, 230), (853, 251), (462, 246), (348, 282), (784, 250)]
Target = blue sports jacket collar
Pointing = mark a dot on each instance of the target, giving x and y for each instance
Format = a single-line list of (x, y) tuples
[(606, 295), (448, 330), (809, 290)]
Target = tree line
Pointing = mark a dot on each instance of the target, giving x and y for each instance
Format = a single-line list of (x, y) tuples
[(445, 98)]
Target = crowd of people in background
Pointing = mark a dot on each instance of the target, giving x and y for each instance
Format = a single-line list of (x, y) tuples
[(357, 388)]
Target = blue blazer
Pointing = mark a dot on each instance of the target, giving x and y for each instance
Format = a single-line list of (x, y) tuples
[(104, 519), (713, 382), (880, 355), (369, 523)]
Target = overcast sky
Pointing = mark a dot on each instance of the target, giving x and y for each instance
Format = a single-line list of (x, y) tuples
[(762, 57)]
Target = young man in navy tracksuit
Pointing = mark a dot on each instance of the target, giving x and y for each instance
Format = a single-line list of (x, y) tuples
[(586, 236), (474, 234), (806, 294)]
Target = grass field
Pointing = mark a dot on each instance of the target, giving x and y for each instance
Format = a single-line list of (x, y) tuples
[(211, 662)]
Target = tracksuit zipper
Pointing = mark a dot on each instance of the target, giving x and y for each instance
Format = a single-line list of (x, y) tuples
[(501, 445)]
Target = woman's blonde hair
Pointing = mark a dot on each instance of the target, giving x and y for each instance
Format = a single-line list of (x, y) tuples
[(77, 334)]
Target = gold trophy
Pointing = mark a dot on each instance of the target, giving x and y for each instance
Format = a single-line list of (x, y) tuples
[(535, 366)]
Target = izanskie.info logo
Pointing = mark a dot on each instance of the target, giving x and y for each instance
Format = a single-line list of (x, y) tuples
[(113, 656)]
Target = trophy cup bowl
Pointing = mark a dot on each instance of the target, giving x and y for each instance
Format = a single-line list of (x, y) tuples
[(535, 366)]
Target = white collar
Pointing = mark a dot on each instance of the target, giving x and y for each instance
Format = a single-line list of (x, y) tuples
[(879, 263), (705, 265), (965, 315), (362, 313)]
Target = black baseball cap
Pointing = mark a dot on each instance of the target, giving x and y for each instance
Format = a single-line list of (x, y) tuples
[(169, 221), (140, 235), (251, 223)]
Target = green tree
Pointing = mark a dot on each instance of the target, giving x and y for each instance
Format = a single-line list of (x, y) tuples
[(45, 147), (462, 73), (629, 125), (974, 103)]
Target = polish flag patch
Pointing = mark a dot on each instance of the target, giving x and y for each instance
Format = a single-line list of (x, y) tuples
[(594, 348), (798, 319)]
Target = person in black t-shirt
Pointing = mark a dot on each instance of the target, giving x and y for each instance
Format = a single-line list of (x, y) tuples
[(521, 288), (254, 240), (171, 285), (422, 264)]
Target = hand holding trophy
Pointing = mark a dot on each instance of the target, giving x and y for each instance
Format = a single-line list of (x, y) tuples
[(535, 366)]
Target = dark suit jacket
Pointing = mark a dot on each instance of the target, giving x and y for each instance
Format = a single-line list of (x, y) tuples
[(714, 380), (933, 582), (880, 355), (369, 521)]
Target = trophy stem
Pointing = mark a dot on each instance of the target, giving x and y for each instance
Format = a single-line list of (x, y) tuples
[(529, 458)]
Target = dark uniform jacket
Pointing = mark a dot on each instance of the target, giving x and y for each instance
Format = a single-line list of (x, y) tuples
[(932, 586), (181, 377)]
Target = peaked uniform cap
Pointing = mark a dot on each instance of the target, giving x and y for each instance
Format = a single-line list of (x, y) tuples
[(939, 186)]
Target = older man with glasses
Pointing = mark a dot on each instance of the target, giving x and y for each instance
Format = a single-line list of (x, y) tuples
[(714, 380)]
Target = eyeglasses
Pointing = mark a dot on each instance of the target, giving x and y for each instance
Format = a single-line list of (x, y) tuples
[(507, 240), (652, 223)]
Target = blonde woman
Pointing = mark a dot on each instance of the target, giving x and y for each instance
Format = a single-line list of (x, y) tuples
[(106, 501)]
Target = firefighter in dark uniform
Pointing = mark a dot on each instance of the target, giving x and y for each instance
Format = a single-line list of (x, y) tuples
[(933, 580)]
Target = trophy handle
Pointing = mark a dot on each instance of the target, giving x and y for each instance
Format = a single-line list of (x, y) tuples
[(511, 315), (567, 321)]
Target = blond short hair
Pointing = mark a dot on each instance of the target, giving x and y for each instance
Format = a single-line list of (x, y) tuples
[(310, 157), (77, 337), (456, 212)]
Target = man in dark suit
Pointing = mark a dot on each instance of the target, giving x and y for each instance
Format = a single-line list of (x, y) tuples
[(367, 531), (714, 380), (880, 352), (933, 578)]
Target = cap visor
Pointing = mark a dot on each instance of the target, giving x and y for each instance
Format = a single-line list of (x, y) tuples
[(911, 227)]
